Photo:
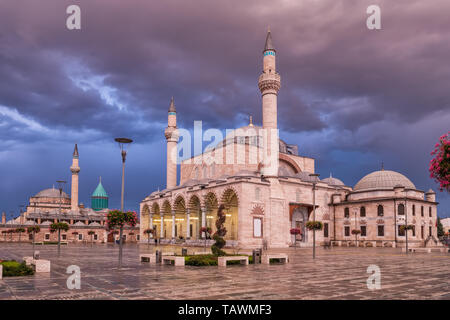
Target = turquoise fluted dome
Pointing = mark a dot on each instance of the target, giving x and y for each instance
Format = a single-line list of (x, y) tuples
[(99, 199)]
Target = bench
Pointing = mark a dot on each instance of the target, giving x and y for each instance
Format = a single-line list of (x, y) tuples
[(147, 258), (41, 243), (178, 261), (222, 261), (280, 256), (201, 252), (40, 265), (427, 250)]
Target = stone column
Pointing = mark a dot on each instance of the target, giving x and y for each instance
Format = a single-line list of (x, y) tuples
[(173, 224), (203, 220), (162, 226), (150, 225), (188, 224)]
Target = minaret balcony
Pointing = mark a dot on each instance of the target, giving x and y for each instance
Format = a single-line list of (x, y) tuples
[(269, 81)]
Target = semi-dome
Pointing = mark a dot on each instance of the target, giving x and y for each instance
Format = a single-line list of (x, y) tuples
[(383, 179), (333, 181), (50, 193)]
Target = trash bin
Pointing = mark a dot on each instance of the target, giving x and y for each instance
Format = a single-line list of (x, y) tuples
[(256, 256), (184, 251), (36, 255)]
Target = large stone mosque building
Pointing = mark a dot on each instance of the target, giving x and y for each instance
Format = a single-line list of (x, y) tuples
[(268, 191)]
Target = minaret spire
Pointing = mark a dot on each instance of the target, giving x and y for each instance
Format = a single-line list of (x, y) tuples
[(269, 83), (75, 169), (172, 140)]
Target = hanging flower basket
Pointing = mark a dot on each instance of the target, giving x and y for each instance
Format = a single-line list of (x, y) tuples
[(34, 229), (206, 230), (314, 225), (440, 164), (356, 231), (59, 226), (295, 231), (148, 231), (408, 227)]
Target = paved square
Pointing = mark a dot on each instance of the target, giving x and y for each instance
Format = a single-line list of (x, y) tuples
[(339, 273)]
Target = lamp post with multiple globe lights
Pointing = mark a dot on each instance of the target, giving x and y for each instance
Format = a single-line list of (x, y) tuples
[(61, 184), (315, 177)]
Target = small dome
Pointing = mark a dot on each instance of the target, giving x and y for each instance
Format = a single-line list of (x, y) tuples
[(100, 192), (305, 176), (333, 181), (51, 193), (383, 179)]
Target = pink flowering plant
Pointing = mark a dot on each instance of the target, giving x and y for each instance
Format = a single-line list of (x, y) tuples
[(116, 219), (440, 164)]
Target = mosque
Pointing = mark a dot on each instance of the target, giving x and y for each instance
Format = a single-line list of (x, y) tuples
[(49, 205), (268, 191)]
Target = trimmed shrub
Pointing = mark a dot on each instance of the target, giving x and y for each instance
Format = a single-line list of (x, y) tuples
[(12, 268)]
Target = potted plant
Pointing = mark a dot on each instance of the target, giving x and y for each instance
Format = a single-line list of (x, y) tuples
[(118, 219), (221, 231), (356, 232), (295, 232), (205, 230)]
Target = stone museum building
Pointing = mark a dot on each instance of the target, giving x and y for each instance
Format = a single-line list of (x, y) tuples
[(265, 198), (86, 225)]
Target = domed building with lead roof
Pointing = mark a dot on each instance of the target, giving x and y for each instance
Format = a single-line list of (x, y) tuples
[(50, 206), (266, 188)]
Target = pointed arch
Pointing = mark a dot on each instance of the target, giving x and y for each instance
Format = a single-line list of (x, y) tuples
[(230, 197)]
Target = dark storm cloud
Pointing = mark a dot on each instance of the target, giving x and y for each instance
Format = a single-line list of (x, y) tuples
[(345, 89)]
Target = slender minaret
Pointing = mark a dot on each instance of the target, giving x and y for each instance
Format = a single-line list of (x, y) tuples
[(75, 169), (269, 84), (172, 139)]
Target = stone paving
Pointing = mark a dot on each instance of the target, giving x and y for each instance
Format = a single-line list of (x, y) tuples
[(338, 273)]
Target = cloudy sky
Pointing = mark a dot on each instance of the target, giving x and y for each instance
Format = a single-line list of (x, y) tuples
[(351, 97)]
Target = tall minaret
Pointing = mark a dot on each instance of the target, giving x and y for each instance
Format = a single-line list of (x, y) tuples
[(75, 169), (269, 85), (172, 139)]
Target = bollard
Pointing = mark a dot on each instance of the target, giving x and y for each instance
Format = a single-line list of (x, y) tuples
[(158, 256), (36, 255), (184, 251)]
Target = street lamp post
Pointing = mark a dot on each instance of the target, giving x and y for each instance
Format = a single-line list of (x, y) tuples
[(315, 177), (406, 222), (61, 184), (122, 143)]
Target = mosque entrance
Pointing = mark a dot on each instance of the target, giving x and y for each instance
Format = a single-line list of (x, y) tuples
[(299, 217)]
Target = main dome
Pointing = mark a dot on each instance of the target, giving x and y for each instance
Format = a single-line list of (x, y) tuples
[(50, 193), (383, 179)]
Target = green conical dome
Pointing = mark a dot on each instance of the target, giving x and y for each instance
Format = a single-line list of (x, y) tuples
[(100, 191), (99, 199)]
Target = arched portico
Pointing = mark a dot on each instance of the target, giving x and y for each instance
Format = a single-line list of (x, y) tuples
[(210, 207), (195, 217), (179, 206), (230, 200)]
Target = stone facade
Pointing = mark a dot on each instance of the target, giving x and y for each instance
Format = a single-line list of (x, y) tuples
[(269, 190)]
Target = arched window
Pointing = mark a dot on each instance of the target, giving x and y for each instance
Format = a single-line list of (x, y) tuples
[(401, 209), (257, 193), (414, 210), (429, 211), (213, 169), (380, 210), (346, 213), (421, 211), (362, 212)]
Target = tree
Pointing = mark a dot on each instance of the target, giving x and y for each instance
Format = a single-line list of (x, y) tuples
[(118, 219), (148, 232), (221, 231), (91, 233), (33, 230), (356, 232), (440, 164), (206, 230), (440, 228), (20, 231)]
